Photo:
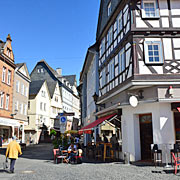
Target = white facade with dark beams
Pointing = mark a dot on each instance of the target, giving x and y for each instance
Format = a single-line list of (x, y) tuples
[(139, 57)]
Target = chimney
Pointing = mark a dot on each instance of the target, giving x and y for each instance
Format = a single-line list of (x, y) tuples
[(59, 71)]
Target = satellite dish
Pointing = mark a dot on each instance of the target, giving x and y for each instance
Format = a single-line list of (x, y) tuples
[(133, 101)]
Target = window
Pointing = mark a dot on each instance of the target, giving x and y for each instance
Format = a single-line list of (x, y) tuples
[(9, 77), (21, 108), (22, 89), (17, 86), (42, 70), (16, 105), (121, 61), (25, 109), (111, 70), (7, 102), (56, 98), (109, 9), (41, 104), (153, 52), (120, 22), (2, 100), (8, 52), (103, 77), (38, 70), (44, 106), (4, 74), (26, 91), (110, 36), (150, 9)]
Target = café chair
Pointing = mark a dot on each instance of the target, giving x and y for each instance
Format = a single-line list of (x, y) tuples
[(176, 151), (156, 154), (176, 162), (58, 155)]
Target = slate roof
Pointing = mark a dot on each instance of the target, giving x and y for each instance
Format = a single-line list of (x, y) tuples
[(51, 87), (103, 16), (71, 79), (35, 87)]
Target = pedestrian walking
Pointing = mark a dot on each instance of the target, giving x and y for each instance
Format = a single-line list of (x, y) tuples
[(12, 152)]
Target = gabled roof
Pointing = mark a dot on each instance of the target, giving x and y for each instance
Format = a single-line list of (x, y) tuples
[(90, 52), (51, 87), (35, 87), (71, 79), (103, 16), (18, 68), (51, 82)]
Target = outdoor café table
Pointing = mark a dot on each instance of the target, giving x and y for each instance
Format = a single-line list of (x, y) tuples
[(105, 148)]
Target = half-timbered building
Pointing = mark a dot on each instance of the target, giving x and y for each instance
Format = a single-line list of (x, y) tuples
[(139, 71)]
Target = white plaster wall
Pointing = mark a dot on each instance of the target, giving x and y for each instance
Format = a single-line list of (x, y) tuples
[(162, 122), (167, 48)]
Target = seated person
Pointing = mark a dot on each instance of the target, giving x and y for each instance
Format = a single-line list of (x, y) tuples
[(114, 142), (72, 149), (105, 138)]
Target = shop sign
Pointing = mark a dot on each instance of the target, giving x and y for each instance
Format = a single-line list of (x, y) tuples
[(8, 122)]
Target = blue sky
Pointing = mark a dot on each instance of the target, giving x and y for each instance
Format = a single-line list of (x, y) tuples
[(58, 31)]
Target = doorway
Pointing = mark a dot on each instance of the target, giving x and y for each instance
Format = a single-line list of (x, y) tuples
[(177, 126), (146, 135)]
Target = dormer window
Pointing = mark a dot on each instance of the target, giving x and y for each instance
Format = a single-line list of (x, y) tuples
[(109, 9), (150, 9), (8, 52)]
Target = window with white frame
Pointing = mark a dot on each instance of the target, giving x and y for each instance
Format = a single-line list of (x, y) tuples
[(25, 109), (103, 77), (103, 45), (110, 36), (39, 70), (153, 52), (2, 100), (17, 86), (121, 61), (44, 106), (22, 89), (150, 9), (21, 108), (4, 74), (16, 105), (26, 91), (42, 70), (9, 77), (7, 102), (8, 52), (120, 22), (111, 70), (109, 9)]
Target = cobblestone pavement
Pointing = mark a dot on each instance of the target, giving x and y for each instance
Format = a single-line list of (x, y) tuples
[(37, 164)]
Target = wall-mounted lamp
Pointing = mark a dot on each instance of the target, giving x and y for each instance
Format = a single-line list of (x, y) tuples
[(95, 97), (141, 94), (15, 112)]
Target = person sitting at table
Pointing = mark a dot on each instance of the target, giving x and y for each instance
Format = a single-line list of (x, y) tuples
[(105, 138), (72, 150), (114, 142)]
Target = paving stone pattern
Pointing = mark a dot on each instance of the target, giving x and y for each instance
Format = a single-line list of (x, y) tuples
[(37, 164)]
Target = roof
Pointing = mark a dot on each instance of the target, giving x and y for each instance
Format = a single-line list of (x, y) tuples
[(71, 79), (103, 17), (19, 65), (35, 87), (51, 87), (91, 50), (51, 82)]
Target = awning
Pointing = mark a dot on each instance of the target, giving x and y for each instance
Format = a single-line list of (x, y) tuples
[(87, 129)]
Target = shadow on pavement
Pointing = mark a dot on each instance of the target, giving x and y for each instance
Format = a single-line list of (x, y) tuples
[(42, 151)]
